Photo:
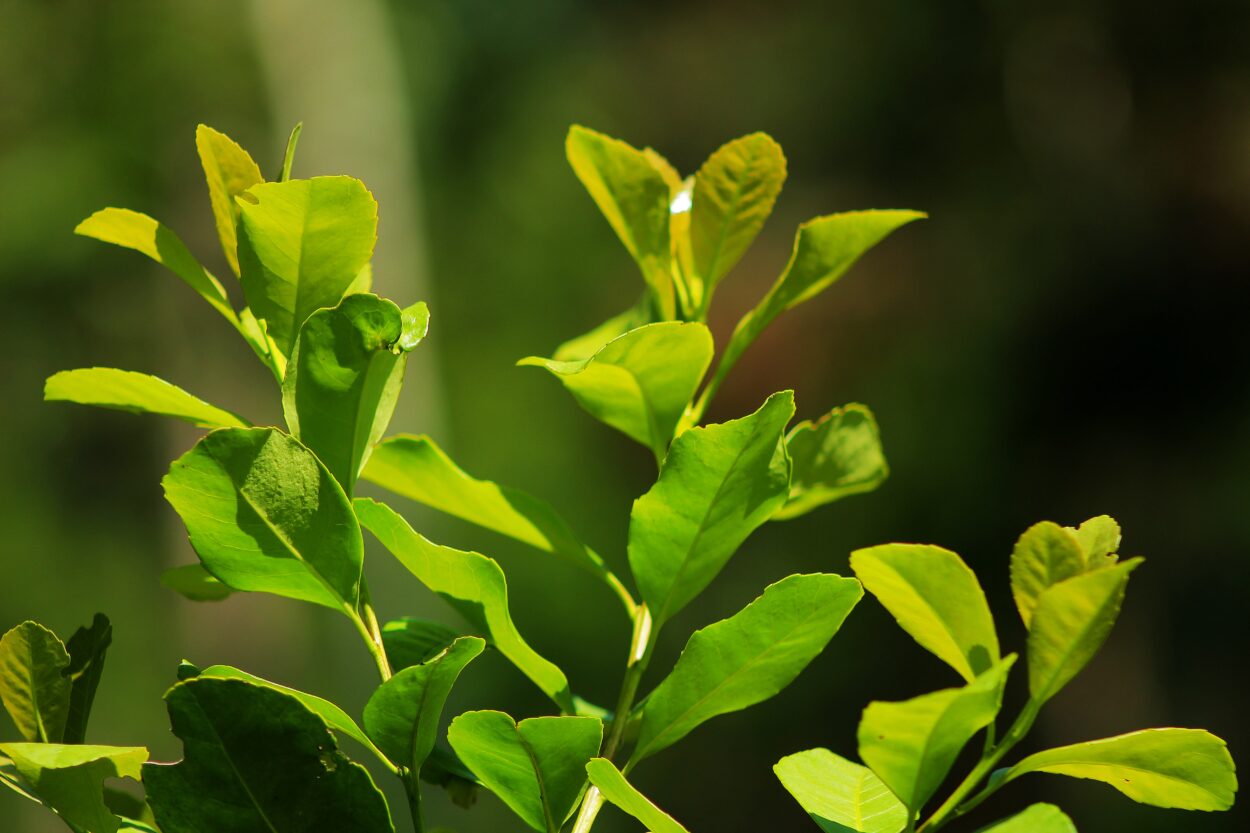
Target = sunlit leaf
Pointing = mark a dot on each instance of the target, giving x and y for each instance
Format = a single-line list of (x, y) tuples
[(936, 598), (69, 779), (718, 483), (640, 382), (1100, 541), (139, 393), (537, 767), (472, 584), (265, 515), (87, 649), (1040, 818), (229, 171), (33, 686), (841, 796), (836, 456), (1045, 555), (612, 784), (913, 744), (747, 658)]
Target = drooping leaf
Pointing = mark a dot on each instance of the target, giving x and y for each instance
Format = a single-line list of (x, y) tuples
[(472, 584), (301, 245), (87, 648), (402, 715), (1045, 555), (718, 483), (1100, 541), (640, 382), (343, 380), (229, 171), (256, 760), (841, 796), (612, 784), (418, 469), (132, 230), (1188, 769), (913, 744), (192, 581), (334, 717), (936, 598), (33, 687), (1071, 621), (836, 456), (410, 641), (587, 344), (138, 393), (1040, 818), (265, 515), (733, 195), (537, 767), (824, 249), (69, 779), (747, 658), (634, 198)]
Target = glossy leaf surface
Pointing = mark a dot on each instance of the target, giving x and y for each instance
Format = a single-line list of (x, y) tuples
[(841, 796), (343, 380), (87, 649), (641, 382), (537, 767), (1070, 623), (1045, 555), (301, 245), (255, 760), (912, 745), (612, 784), (33, 687), (472, 584), (936, 598), (834, 457), (265, 515), (229, 171), (718, 483), (70, 779), (1040, 818), (139, 393), (747, 658), (402, 715), (1188, 769)]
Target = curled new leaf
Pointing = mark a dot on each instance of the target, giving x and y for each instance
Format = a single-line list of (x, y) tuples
[(1045, 555), (836, 456), (229, 171), (87, 648), (841, 796), (33, 686)]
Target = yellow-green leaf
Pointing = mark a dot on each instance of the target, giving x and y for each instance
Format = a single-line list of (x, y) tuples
[(69, 779), (138, 393), (33, 688), (612, 785), (1045, 555), (841, 796), (834, 457), (229, 171)]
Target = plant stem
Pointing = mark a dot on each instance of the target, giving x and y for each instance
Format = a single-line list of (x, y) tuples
[(367, 624), (955, 804)]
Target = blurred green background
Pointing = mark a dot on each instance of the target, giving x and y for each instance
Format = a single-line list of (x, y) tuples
[(1066, 336)]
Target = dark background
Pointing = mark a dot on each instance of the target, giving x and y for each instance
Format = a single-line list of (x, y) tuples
[(1066, 335)]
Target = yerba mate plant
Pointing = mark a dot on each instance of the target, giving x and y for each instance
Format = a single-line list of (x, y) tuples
[(1068, 586)]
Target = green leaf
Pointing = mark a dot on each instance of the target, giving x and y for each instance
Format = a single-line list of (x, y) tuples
[(587, 344), (1100, 541), (913, 744), (402, 715), (841, 796), (1071, 621), (834, 457), (639, 383), (87, 648), (733, 195), (1040, 818), (343, 380), (33, 685), (288, 158), (229, 171), (1045, 555), (265, 515), (612, 784), (138, 393), (418, 469), (824, 249), (410, 641), (936, 598), (193, 582), (1188, 769), (537, 767), (634, 197), (747, 658), (716, 486), (334, 717), (301, 245), (132, 230), (472, 584), (69, 779), (255, 760)]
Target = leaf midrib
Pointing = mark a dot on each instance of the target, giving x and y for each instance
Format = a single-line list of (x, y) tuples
[(1172, 779), (739, 190), (234, 769)]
